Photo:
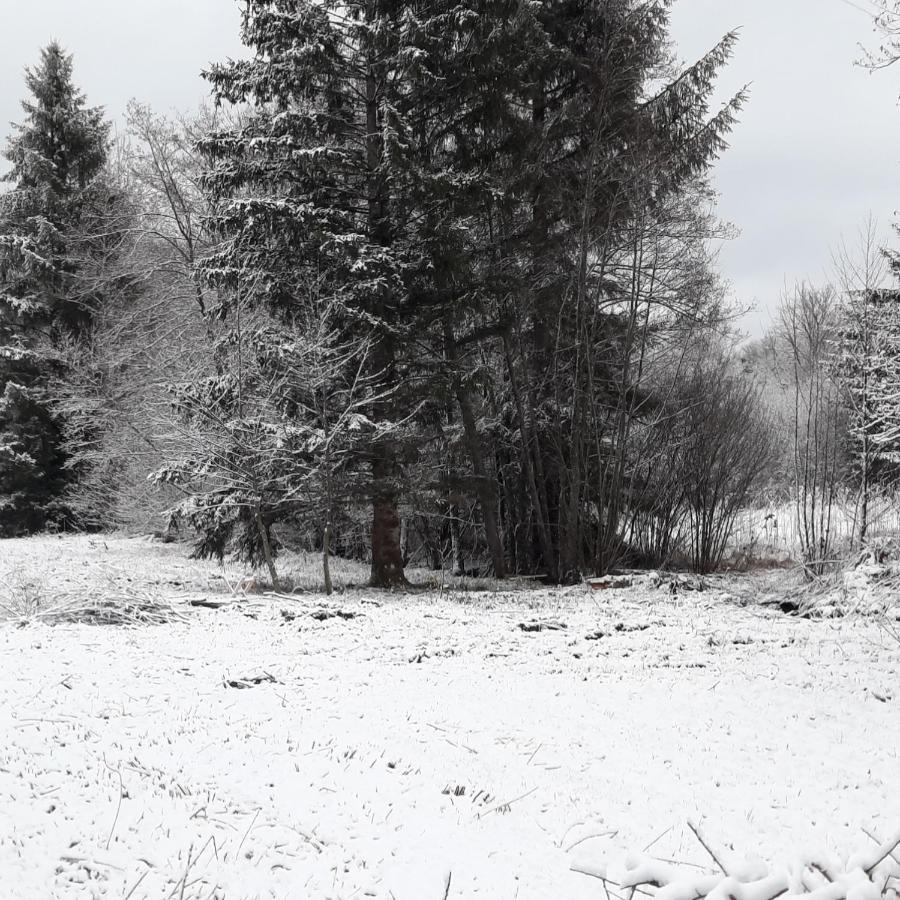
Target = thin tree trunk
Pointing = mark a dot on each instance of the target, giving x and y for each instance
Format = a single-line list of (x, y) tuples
[(543, 528), (483, 483), (458, 562), (864, 508), (475, 450), (326, 548), (267, 549), (404, 540)]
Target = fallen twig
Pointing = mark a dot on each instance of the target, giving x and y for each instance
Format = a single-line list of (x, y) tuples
[(508, 803), (119, 806), (706, 846)]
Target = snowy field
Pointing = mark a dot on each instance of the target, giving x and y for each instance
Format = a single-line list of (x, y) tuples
[(419, 747)]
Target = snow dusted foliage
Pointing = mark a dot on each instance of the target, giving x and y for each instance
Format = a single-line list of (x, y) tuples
[(867, 370), (456, 182), (868, 325), (870, 874), (315, 204), (57, 154), (273, 435), (869, 366)]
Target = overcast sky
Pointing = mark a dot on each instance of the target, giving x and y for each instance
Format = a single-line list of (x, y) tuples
[(816, 151)]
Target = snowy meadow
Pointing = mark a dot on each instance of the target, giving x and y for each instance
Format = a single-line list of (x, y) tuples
[(448, 743)]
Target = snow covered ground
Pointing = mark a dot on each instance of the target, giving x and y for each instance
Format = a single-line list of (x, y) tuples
[(424, 746)]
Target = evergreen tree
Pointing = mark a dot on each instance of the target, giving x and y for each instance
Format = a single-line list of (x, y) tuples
[(867, 346), (315, 197), (469, 183), (57, 155), (586, 169)]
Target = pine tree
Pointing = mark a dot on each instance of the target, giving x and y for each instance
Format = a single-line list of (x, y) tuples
[(57, 155)]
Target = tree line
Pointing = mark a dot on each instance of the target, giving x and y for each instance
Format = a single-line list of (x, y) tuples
[(429, 282)]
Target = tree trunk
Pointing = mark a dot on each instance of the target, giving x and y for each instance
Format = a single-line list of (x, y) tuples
[(387, 553), (404, 540), (458, 562), (326, 548), (541, 523), (864, 506), (483, 485), (475, 450), (267, 549)]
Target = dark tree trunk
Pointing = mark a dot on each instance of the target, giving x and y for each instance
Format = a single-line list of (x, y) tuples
[(529, 464), (266, 548), (475, 450), (387, 553), (457, 558), (404, 540), (484, 487), (326, 568)]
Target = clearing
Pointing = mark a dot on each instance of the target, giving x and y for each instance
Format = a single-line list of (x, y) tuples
[(416, 747)]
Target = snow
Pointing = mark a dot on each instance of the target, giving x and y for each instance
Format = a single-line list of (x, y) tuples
[(428, 740)]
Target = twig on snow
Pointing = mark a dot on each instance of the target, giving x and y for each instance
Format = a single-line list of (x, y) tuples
[(508, 803), (885, 850), (119, 806), (658, 838), (589, 837), (872, 837), (249, 829), (182, 882), (706, 846), (137, 884)]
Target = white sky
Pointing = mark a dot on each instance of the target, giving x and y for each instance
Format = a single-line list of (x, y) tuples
[(818, 145), (816, 151)]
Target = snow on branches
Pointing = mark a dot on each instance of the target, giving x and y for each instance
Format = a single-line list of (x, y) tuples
[(870, 874)]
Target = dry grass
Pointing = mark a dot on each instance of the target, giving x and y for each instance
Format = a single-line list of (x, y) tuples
[(25, 601), (121, 580)]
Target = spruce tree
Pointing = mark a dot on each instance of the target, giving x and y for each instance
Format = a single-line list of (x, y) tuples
[(583, 138), (460, 179), (57, 154), (314, 198)]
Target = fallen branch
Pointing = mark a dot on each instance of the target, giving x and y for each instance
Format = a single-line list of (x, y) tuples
[(807, 880)]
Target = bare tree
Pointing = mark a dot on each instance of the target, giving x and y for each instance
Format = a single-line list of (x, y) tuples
[(727, 445), (886, 19), (808, 324), (861, 271)]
